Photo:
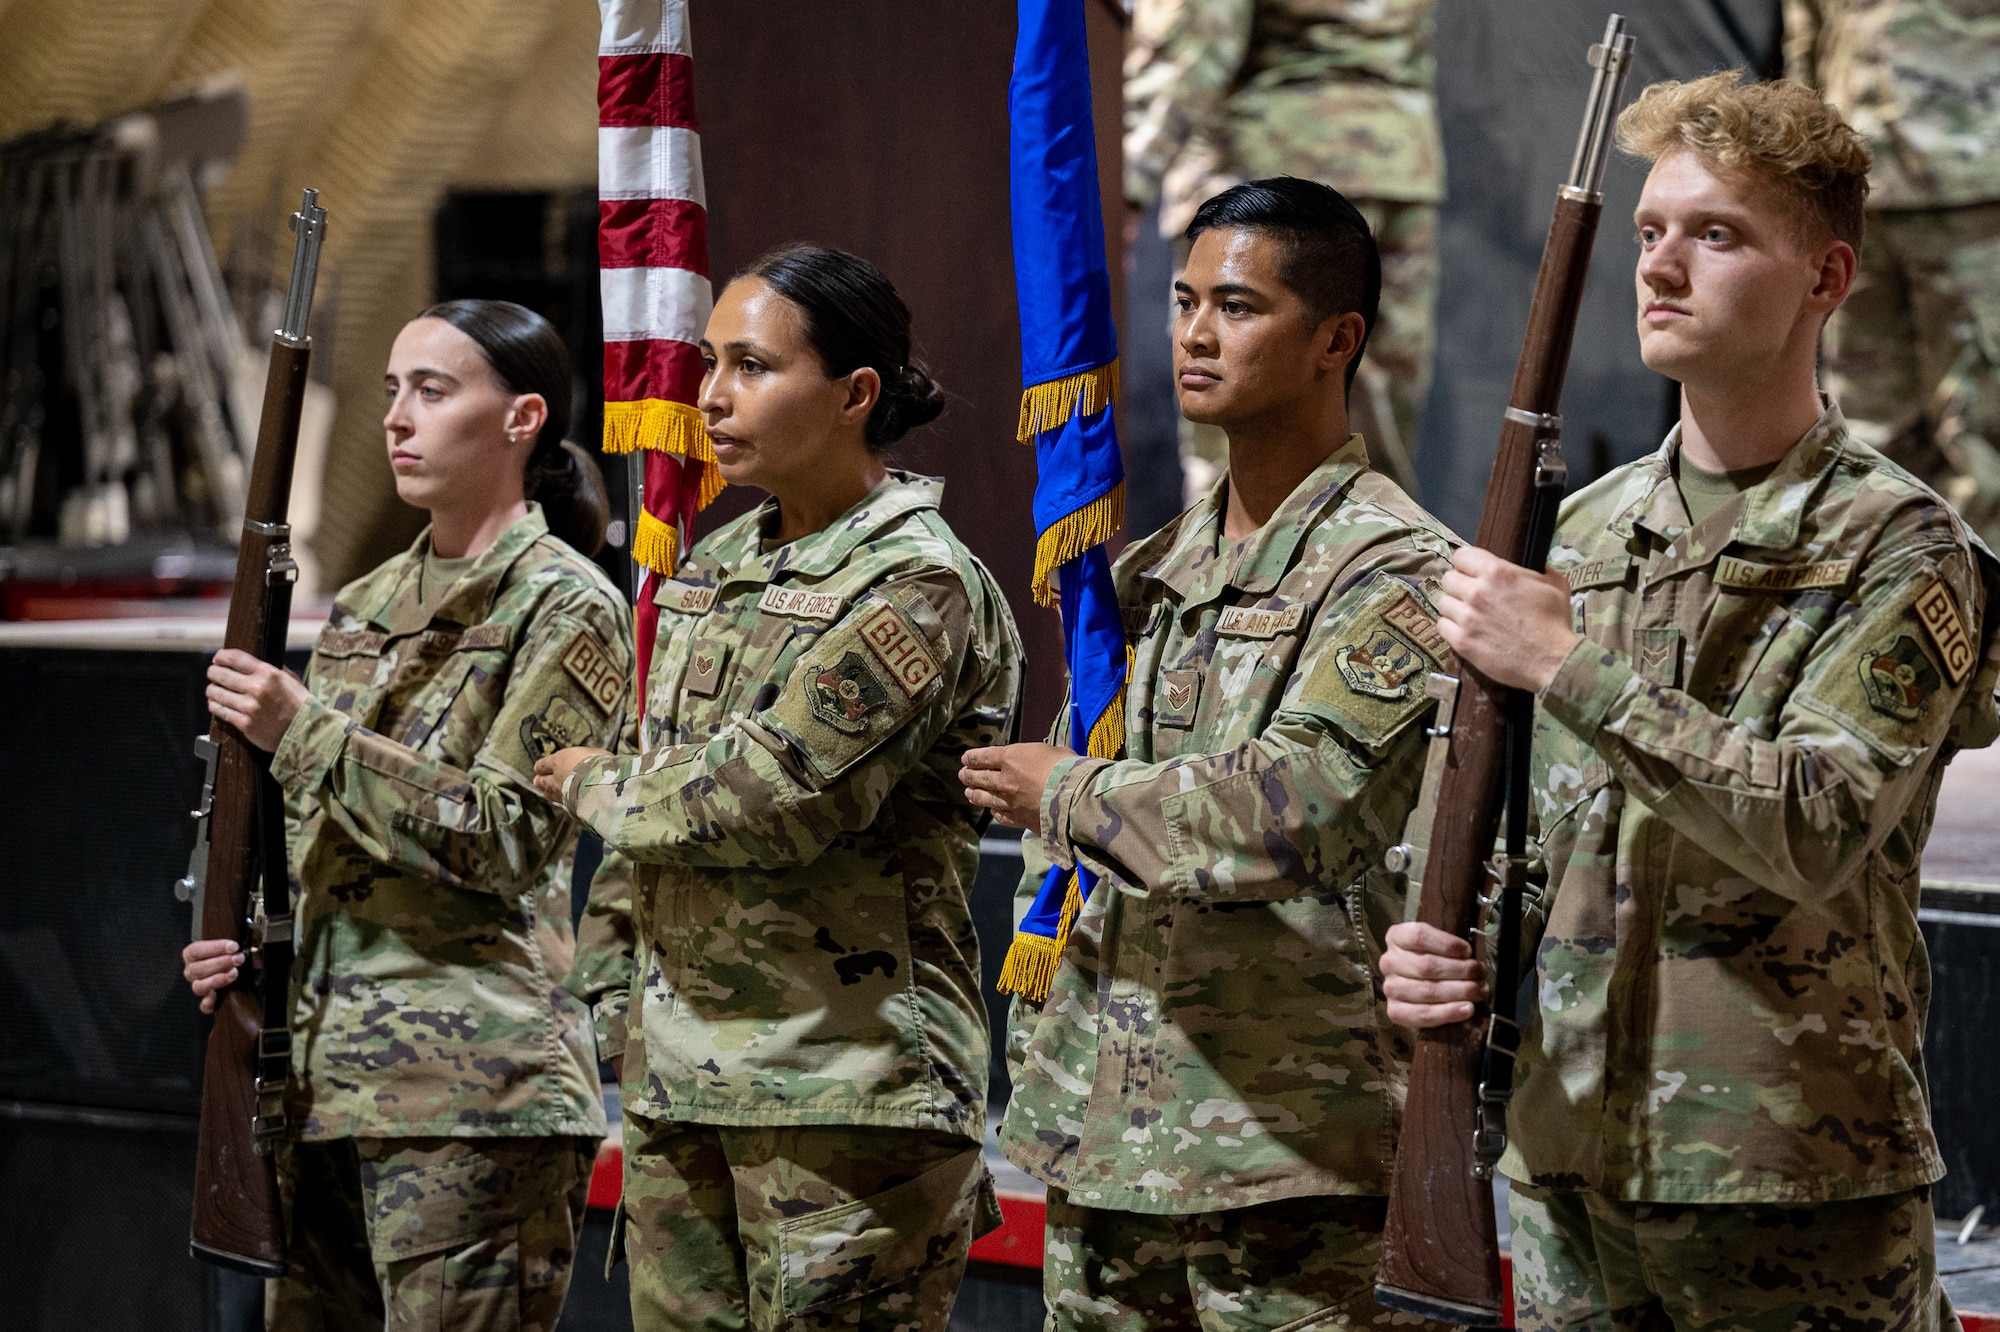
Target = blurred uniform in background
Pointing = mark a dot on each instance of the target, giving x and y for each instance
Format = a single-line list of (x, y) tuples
[(1218, 92), (1914, 355)]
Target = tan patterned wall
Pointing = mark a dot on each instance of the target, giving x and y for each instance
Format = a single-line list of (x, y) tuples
[(382, 105)]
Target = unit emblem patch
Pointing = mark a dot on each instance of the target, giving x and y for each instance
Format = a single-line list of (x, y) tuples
[(843, 694), (1381, 666), (557, 726), (1898, 678)]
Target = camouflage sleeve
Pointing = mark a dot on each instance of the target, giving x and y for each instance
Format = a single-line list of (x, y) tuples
[(1285, 812), (1804, 21), (863, 706), (1867, 705), (1184, 56), (606, 941), (484, 827)]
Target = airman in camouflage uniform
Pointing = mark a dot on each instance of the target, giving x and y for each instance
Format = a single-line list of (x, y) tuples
[(1339, 91), (779, 944), (1212, 1072), (1914, 356), (445, 1091), (1736, 771)]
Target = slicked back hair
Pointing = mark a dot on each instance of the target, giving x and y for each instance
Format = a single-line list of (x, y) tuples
[(1326, 253)]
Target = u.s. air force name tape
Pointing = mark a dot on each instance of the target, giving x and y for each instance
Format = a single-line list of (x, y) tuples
[(1742, 574), (801, 603)]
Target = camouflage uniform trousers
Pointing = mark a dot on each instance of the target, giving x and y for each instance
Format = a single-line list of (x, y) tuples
[(1582, 1260), (1913, 357), (823, 1226), (453, 1234), (1294, 1264), (1387, 400)]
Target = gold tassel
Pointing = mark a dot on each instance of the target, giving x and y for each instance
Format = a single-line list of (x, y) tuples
[(1046, 406), (1030, 968), (656, 545), (655, 423), (1074, 533), (1107, 733)]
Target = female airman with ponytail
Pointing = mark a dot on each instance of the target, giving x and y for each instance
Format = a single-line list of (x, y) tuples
[(444, 1106)]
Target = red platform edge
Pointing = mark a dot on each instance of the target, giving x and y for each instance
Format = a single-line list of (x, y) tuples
[(1018, 1241)]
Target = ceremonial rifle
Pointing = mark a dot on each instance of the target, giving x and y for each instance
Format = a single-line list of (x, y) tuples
[(240, 839), (1440, 1250)]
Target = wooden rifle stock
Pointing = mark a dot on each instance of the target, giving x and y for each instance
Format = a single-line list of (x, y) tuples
[(1440, 1248), (237, 1221)]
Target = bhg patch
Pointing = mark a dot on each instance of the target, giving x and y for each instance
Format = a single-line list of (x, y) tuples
[(1898, 677), (589, 663), (844, 693)]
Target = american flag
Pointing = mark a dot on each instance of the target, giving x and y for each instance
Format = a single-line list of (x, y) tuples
[(652, 244)]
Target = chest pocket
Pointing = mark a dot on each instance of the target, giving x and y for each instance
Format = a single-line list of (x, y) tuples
[(1758, 665), (450, 687), (347, 671)]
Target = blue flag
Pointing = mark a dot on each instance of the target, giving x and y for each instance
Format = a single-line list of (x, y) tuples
[(1069, 379)]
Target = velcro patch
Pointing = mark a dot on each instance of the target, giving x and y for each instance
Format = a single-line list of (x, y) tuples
[(481, 636), (589, 663), (1405, 614), (685, 598), (1732, 572), (801, 603), (1898, 678), (1939, 616), (350, 642), (1597, 573), (844, 693), (1259, 622), (900, 648)]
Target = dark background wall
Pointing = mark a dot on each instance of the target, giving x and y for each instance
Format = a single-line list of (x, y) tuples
[(882, 129)]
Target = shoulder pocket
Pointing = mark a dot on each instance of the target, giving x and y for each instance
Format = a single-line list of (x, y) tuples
[(1369, 676), (858, 684)]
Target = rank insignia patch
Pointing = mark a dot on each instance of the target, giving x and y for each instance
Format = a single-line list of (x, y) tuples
[(1173, 704), (704, 672), (1898, 678), (842, 695), (557, 726), (1381, 666)]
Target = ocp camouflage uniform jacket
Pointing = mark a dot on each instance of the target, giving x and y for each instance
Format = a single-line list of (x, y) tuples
[(1736, 772), (1215, 1036), (798, 923), (1339, 91), (433, 882), (1920, 79)]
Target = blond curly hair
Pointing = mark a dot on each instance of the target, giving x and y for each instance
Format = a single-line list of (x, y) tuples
[(1781, 132)]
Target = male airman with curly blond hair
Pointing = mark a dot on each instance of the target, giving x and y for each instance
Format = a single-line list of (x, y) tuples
[(1754, 652)]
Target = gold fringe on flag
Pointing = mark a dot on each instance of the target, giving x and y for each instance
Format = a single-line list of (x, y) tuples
[(656, 423), (657, 544), (1030, 968), (1107, 734), (1046, 406), (1074, 533)]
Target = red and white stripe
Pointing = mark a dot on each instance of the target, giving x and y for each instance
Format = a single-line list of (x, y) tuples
[(653, 275)]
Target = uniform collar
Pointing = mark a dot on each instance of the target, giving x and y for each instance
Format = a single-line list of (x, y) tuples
[(1767, 515), (1193, 569), (401, 611), (820, 553)]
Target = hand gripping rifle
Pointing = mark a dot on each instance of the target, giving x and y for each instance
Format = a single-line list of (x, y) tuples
[(1440, 1253), (240, 838)]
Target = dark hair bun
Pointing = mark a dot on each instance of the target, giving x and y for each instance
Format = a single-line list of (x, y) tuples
[(910, 398), (854, 318)]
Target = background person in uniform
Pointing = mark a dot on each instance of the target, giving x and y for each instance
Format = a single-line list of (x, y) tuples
[(1755, 651), (445, 1097), (1913, 357), (1211, 1088), (1339, 91), (779, 943)]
